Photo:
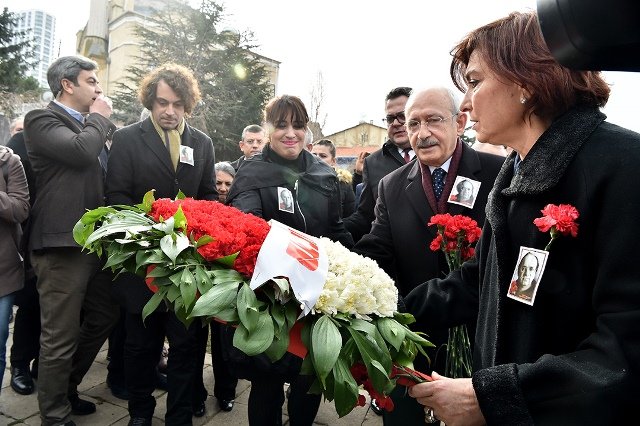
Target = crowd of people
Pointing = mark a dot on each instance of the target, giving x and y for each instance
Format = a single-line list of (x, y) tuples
[(552, 326)]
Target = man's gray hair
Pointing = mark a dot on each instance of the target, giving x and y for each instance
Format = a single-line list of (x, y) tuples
[(252, 128), (225, 166), (15, 122), (455, 100), (67, 67)]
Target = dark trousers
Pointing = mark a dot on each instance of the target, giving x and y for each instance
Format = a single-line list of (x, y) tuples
[(69, 282), (115, 367), (26, 326), (225, 381), (143, 346), (267, 396)]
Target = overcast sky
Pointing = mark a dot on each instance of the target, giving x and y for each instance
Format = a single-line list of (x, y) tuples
[(362, 48)]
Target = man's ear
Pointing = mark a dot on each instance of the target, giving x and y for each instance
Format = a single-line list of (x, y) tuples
[(67, 86)]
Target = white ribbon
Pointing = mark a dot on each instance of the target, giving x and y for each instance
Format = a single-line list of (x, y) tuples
[(297, 256)]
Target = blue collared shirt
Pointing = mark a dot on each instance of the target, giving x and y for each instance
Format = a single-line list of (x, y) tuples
[(72, 112)]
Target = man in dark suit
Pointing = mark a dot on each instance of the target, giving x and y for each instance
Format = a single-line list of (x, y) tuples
[(253, 140), (395, 152), (63, 142), (407, 198), (164, 153)]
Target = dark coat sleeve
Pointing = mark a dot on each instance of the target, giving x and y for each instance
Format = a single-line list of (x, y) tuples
[(359, 223), (348, 199)]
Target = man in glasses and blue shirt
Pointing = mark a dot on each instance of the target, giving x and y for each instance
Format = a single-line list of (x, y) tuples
[(395, 152)]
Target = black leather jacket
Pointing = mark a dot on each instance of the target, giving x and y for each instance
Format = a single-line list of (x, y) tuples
[(312, 183)]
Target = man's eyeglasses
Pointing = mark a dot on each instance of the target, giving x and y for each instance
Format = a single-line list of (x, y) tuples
[(431, 123), (393, 117)]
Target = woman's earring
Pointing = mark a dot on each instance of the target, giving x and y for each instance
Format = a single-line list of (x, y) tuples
[(523, 100)]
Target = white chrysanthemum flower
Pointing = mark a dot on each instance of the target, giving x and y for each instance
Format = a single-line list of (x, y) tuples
[(355, 285)]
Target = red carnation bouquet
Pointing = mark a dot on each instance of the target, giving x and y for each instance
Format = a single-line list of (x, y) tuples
[(199, 258), (456, 234), (236, 234)]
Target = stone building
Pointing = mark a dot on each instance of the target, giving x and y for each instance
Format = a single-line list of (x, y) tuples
[(109, 38), (353, 140)]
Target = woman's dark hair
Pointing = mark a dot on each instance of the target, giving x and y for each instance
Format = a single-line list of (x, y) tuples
[(281, 107), (514, 49), (328, 144)]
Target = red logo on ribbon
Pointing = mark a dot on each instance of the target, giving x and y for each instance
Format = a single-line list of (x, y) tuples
[(303, 249)]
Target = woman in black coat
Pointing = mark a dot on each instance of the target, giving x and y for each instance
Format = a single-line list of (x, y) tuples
[(571, 354), (292, 186)]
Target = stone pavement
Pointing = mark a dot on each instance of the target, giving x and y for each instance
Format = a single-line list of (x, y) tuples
[(17, 409)]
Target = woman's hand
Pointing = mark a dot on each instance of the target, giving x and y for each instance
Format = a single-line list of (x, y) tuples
[(453, 401)]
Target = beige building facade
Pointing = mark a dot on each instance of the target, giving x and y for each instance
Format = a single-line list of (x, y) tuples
[(362, 137), (110, 39)]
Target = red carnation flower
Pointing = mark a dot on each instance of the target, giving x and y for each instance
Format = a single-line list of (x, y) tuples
[(559, 220)]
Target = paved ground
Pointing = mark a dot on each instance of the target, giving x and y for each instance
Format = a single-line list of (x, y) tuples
[(17, 409)]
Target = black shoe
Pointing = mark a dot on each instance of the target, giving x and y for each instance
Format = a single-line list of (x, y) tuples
[(139, 421), (81, 407), (375, 407), (161, 381), (226, 404), (199, 410), (21, 381), (117, 390)]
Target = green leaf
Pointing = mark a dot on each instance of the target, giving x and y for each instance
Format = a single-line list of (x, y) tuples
[(326, 341), (173, 245), (153, 303), (188, 289), (219, 298), (259, 340), (160, 271), (81, 233), (117, 258), (228, 260), (180, 195), (307, 369), (228, 314), (122, 224), (180, 220), (95, 215), (364, 326), (404, 318), (173, 293), (277, 313), (203, 280), (291, 314), (165, 226), (227, 275), (279, 346), (205, 239), (248, 307), (345, 388), (392, 331), (371, 353), (147, 201)]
